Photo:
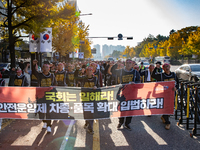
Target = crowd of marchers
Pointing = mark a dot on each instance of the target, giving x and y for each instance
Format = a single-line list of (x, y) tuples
[(90, 74)]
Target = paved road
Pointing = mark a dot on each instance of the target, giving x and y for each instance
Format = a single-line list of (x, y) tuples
[(147, 133)]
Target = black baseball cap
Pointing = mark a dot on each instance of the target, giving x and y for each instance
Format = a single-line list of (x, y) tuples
[(158, 62)]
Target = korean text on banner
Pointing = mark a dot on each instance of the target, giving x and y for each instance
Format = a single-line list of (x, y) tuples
[(59, 103)]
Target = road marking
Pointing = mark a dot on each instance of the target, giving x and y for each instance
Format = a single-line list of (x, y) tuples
[(96, 137), (64, 142), (29, 138), (80, 135), (55, 129), (156, 137), (118, 141)]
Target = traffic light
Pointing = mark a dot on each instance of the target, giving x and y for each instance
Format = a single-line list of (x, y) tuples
[(150, 48), (129, 38), (170, 47), (110, 38), (120, 36), (161, 47)]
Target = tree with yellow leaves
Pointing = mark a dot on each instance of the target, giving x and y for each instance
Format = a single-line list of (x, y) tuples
[(162, 48), (193, 43), (84, 44), (70, 36), (129, 52), (30, 16)]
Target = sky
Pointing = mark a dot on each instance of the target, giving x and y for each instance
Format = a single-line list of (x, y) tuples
[(136, 18)]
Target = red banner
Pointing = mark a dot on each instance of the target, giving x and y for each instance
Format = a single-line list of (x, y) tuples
[(85, 103)]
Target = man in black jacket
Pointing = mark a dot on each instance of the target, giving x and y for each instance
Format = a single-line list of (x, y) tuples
[(127, 75), (17, 78), (166, 76), (45, 79)]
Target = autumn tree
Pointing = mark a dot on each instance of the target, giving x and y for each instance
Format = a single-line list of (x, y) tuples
[(63, 35), (116, 54), (84, 43), (29, 16), (129, 52), (193, 43)]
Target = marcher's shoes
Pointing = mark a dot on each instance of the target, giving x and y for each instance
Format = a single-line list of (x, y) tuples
[(167, 126), (48, 129), (127, 127), (90, 131), (163, 120), (119, 126), (44, 126), (85, 126)]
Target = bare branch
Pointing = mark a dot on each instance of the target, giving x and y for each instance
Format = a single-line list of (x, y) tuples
[(22, 23), (3, 14), (21, 5), (3, 8)]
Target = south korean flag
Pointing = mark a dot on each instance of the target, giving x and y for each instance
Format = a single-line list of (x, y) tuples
[(46, 41), (34, 43)]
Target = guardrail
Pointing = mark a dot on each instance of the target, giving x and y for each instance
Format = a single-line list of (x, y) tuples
[(187, 105)]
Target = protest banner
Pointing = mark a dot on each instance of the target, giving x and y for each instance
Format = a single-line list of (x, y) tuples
[(86, 103)]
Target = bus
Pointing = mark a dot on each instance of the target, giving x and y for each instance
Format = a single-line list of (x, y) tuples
[(162, 59)]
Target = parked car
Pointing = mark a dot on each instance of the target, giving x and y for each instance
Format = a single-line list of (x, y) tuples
[(5, 68), (190, 72), (111, 59)]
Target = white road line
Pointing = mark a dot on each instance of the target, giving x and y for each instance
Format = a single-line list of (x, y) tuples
[(64, 142), (119, 142), (55, 129), (155, 136), (80, 135), (29, 138)]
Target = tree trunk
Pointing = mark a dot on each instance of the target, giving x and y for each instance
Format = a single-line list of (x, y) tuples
[(11, 36), (12, 52)]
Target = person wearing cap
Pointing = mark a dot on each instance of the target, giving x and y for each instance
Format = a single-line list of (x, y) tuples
[(146, 74), (167, 75), (97, 73), (127, 75), (60, 75), (22, 65), (158, 67), (112, 71), (77, 72), (136, 67), (80, 76), (70, 80), (141, 66), (45, 79), (89, 81), (19, 78)]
